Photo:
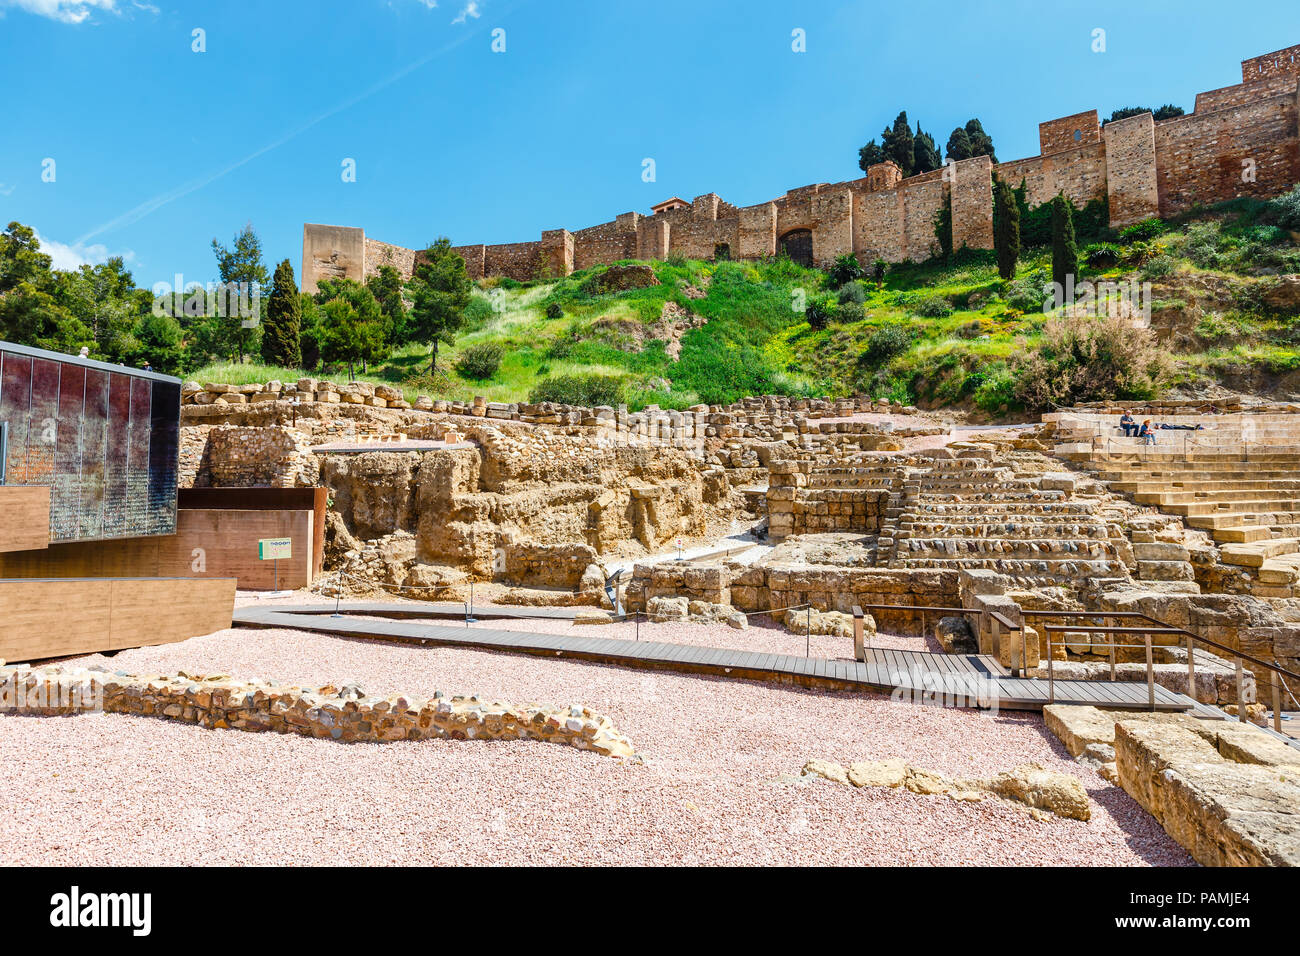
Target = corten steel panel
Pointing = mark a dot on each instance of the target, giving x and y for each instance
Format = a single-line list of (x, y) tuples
[(65, 503), (24, 518), (43, 422), (59, 617), (15, 408), (266, 499), (227, 542)]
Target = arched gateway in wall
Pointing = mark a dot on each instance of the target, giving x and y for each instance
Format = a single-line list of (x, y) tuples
[(798, 245)]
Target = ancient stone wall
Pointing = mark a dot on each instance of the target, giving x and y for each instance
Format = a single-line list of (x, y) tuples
[(1068, 132), (1247, 150), (344, 714), (1195, 159), (1132, 188)]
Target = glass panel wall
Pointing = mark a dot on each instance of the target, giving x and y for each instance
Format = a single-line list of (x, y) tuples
[(105, 442)]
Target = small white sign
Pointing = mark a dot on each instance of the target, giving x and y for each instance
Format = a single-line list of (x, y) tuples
[(269, 549)]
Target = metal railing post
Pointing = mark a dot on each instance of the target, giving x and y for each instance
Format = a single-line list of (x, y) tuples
[(859, 644), (807, 633), (1051, 670), (1241, 697), (1277, 701), (1191, 667), (1151, 676)]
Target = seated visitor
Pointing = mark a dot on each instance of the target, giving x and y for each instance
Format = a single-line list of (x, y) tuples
[(1127, 423), (1147, 434)]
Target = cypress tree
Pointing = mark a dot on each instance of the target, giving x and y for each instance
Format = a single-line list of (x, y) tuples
[(281, 327), (959, 145), (1006, 228), (898, 144), (1065, 251), (925, 154)]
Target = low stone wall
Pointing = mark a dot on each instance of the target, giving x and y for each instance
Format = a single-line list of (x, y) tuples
[(764, 418), (763, 587), (793, 507), (345, 714), (235, 456), (1226, 806)]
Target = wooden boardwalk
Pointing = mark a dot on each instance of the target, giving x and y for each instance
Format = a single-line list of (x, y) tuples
[(963, 680)]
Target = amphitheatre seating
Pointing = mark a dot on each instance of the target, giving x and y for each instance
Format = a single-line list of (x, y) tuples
[(1097, 432), (965, 513), (1250, 508)]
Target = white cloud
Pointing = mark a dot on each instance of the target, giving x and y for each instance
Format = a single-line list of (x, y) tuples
[(64, 11), (471, 9), (72, 257)]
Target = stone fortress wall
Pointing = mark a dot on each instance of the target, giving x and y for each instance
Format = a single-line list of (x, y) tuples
[(1241, 140)]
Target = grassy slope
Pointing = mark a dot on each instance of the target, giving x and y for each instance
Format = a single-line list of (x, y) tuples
[(757, 340)]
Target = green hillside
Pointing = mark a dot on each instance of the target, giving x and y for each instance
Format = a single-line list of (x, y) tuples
[(938, 334)]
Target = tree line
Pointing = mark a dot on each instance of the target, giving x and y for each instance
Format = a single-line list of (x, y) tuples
[(100, 308), (916, 152)]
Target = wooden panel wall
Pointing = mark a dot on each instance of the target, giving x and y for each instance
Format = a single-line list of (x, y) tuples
[(24, 517), (227, 540), (60, 617)]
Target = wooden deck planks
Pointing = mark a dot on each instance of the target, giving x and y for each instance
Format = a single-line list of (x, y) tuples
[(953, 675)]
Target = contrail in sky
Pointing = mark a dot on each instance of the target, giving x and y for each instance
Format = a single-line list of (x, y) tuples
[(137, 213)]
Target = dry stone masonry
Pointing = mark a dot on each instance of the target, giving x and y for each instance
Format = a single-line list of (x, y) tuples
[(345, 714)]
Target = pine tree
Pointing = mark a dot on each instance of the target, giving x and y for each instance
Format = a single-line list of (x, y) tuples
[(870, 155), (440, 291), (352, 324), (1006, 228), (1065, 251), (282, 326)]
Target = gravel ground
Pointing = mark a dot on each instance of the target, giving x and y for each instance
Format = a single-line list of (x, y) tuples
[(716, 785)]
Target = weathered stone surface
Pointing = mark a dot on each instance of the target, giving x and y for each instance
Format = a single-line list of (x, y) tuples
[(878, 773), (827, 769), (345, 714), (1043, 789), (1222, 812)]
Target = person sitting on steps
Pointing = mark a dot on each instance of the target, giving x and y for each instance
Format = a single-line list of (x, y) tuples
[(1147, 434), (1127, 423)]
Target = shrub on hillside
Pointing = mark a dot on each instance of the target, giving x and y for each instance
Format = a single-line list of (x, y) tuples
[(554, 311), (848, 312), (853, 292), (819, 311), (1201, 244), (844, 270), (481, 361), (588, 390), (933, 307), (996, 393), (885, 344), (1285, 209), (1101, 255), (1157, 267), (1027, 294), (1143, 231), (1083, 359)]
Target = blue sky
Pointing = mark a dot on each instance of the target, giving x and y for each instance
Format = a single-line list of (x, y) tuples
[(159, 149)]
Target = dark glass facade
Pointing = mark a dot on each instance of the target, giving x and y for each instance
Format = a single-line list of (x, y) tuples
[(104, 438)]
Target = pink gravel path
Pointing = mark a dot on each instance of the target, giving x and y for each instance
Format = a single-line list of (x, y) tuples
[(716, 785)]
